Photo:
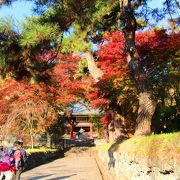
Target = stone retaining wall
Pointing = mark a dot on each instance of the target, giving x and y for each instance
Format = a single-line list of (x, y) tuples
[(121, 166)]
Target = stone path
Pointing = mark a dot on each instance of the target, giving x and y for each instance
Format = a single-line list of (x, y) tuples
[(75, 166)]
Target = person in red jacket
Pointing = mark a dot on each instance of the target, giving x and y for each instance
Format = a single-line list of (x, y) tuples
[(5, 167)]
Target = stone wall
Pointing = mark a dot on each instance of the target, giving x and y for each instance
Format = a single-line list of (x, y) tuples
[(122, 166), (37, 158)]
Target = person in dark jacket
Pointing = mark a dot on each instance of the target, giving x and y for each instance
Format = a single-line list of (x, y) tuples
[(22, 162)]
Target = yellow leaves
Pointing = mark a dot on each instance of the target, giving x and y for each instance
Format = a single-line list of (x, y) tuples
[(33, 80), (134, 109), (120, 100), (141, 23), (117, 82), (126, 88)]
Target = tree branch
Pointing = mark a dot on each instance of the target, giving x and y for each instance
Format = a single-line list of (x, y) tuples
[(171, 18), (51, 59), (177, 4), (137, 3)]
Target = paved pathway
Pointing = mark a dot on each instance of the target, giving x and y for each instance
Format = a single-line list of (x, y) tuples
[(68, 168)]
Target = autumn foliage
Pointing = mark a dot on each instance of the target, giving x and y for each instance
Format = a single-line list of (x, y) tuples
[(116, 90), (30, 106), (24, 102)]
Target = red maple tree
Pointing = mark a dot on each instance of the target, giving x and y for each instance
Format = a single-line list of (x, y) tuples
[(116, 89)]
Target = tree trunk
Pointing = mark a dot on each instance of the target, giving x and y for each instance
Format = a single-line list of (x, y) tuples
[(120, 127), (117, 127), (147, 103), (48, 143), (32, 141), (147, 106), (30, 124), (95, 72)]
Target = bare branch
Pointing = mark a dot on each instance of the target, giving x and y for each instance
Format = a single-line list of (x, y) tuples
[(178, 5), (173, 24)]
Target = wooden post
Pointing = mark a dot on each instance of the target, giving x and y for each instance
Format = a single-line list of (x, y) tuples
[(107, 135), (48, 143), (71, 129), (91, 131)]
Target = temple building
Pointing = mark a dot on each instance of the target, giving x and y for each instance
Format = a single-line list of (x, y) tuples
[(80, 121)]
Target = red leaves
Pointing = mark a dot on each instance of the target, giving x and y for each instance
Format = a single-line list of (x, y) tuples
[(106, 119), (112, 49), (112, 59), (66, 87), (155, 45), (45, 55), (99, 102), (25, 107), (116, 87), (63, 88)]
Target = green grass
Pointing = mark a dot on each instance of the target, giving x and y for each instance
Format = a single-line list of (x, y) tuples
[(42, 149), (104, 146)]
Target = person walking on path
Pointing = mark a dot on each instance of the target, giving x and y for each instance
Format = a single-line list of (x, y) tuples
[(21, 153), (7, 171)]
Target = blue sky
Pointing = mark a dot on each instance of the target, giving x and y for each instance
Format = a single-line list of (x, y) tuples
[(20, 9)]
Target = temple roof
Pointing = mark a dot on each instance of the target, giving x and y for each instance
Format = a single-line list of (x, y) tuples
[(83, 109)]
